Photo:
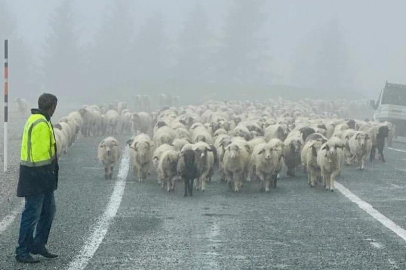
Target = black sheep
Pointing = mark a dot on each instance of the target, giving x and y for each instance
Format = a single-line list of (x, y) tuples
[(383, 133), (306, 131), (187, 169)]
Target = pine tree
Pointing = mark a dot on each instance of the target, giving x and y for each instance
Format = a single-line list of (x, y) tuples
[(111, 62), (21, 68), (151, 53), (242, 56), (62, 66), (195, 42)]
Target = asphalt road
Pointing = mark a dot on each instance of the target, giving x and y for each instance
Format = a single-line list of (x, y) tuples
[(292, 227)]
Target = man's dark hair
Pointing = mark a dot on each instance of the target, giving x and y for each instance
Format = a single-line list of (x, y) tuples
[(46, 101)]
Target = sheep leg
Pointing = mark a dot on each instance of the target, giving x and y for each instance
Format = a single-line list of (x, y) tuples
[(236, 179), (381, 156), (111, 172), (198, 183), (372, 155), (106, 173), (332, 180), (172, 183), (291, 171), (186, 187), (362, 162), (191, 187), (135, 171), (203, 182), (275, 179), (312, 179), (140, 174), (263, 179), (266, 183)]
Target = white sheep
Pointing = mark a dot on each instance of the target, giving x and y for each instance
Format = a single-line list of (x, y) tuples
[(276, 131), (201, 134), (328, 160), (309, 159), (261, 165), (156, 156), (183, 133), (346, 136), (277, 147), (141, 122), (67, 132), (167, 169), (108, 153), (61, 140), (73, 124), (164, 135), (22, 106), (236, 160), (112, 121), (125, 122), (205, 163), (360, 146), (141, 154), (221, 143), (179, 143), (87, 117)]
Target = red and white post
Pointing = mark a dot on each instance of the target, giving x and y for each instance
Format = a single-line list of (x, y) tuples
[(5, 146)]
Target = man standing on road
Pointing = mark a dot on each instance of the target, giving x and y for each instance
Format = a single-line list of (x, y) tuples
[(38, 180)]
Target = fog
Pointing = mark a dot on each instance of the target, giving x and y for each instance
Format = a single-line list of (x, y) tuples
[(97, 49)]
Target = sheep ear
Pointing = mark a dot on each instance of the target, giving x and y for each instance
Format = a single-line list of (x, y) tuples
[(209, 149), (102, 144), (114, 143), (130, 142), (149, 144), (356, 136), (58, 126), (367, 137)]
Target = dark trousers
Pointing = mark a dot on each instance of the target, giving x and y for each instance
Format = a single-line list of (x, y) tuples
[(38, 214)]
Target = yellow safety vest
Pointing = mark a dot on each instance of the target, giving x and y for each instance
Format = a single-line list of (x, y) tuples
[(38, 143)]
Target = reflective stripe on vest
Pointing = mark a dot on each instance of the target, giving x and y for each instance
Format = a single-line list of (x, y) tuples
[(29, 162)]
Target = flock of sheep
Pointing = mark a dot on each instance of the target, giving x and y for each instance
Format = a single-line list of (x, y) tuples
[(245, 140)]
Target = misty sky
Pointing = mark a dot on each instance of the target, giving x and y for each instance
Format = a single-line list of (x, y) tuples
[(374, 30)]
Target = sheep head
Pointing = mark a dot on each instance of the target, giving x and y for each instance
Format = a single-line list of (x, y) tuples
[(234, 150), (362, 138), (108, 145), (295, 146), (266, 152), (201, 150), (383, 132)]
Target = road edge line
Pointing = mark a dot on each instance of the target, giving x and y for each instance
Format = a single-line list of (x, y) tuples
[(385, 221), (99, 230)]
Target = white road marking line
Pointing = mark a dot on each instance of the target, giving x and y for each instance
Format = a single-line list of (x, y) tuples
[(9, 219), (372, 211), (402, 170), (212, 234), (99, 230), (376, 245), (397, 150)]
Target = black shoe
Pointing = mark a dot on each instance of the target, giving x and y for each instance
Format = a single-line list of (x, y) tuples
[(44, 252), (26, 259)]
